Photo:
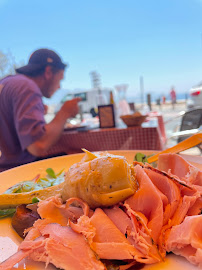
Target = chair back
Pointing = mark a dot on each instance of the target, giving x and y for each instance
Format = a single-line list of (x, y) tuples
[(191, 120)]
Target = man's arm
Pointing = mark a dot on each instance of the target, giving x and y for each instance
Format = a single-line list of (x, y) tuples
[(54, 129)]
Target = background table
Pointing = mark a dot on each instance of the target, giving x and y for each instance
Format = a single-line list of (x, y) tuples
[(133, 138), (161, 125)]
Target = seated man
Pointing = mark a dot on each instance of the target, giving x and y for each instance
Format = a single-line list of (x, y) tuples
[(24, 134)]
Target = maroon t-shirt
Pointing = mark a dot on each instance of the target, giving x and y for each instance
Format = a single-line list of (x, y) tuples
[(21, 119)]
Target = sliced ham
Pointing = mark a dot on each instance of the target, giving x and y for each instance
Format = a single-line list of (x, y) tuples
[(196, 209), (85, 227), (147, 200), (109, 242), (186, 239), (119, 218), (176, 165), (124, 223), (181, 212), (76, 257), (162, 216), (180, 182), (180, 167), (169, 189), (21, 254), (69, 250), (55, 211), (15, 258), (58, 245), (142, 236)]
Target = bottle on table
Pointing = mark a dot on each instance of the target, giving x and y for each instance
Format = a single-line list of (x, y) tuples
[(111, 98)]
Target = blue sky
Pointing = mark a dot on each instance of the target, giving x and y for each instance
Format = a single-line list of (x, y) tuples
[(120, 39)]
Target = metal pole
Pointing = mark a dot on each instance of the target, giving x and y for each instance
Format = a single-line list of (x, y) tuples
[(142, 89)]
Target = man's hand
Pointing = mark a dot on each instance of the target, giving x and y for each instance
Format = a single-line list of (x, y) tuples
[(70, 108), (55, 128)]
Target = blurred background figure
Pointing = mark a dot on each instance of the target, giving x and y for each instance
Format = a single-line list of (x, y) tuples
[(25, 136), (173, 97), (163, 99)]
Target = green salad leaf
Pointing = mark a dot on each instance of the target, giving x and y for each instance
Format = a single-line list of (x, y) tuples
[(35, 200), (58, 174), (38, 182), (140, 157), (51, 172), (7, 212)]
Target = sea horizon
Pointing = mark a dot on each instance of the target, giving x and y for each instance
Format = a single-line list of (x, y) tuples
[(131, 98)]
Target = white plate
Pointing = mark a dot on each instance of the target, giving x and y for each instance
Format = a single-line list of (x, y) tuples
[(9, 240)]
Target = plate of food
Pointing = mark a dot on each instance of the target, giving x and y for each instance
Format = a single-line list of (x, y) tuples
[(71, 127), (102, 211)]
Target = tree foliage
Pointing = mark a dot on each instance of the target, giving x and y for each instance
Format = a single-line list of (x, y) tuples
[(7, 64)]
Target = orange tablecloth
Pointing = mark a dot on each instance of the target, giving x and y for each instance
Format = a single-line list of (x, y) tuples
[(133, 138)]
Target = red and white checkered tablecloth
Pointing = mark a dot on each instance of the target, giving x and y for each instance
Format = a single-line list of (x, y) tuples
[(133, 138), (160, 124)]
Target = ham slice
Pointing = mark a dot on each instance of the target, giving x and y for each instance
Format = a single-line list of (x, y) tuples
[(142, 238), (104, 237), (147, 200), (180, 167), (78, 256), (120, 219), (176, 165), (110, 234), (85, 227), (109, 242), (169, 189), (182, 199), (174, 178), (169, 184), (58, 245), (196, 209), (69, 250), (21, 254), (55, 211), (186, 239)]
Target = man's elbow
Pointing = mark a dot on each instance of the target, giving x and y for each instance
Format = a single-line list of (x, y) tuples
[(37, 149)]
